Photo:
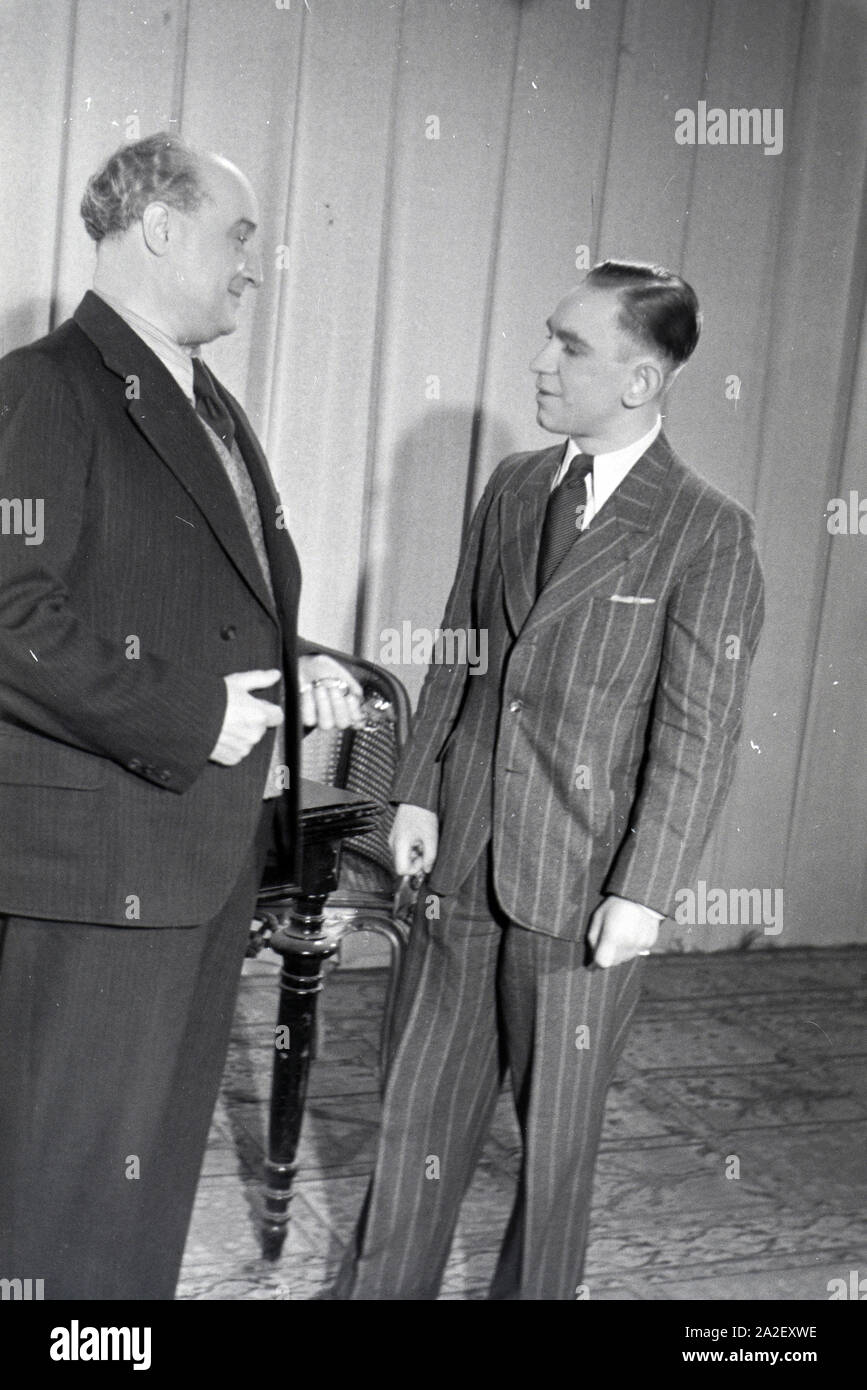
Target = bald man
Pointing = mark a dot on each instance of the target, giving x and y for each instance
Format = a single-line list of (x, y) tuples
[(151, 696)]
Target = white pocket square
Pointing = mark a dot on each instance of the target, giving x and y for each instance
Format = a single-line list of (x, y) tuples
[(630, 598)]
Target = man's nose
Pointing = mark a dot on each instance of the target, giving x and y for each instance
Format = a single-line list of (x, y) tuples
[(545, 359), (253, 269)]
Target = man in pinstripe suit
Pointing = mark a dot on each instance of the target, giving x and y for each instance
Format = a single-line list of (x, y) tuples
[(559, 800)]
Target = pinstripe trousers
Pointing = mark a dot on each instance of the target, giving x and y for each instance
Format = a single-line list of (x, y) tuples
[(480, 996)]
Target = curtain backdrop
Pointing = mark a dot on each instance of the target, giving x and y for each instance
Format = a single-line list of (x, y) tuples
[(433, 175)]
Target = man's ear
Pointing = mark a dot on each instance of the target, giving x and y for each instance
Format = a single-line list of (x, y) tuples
[(646, 382), (155, 228)]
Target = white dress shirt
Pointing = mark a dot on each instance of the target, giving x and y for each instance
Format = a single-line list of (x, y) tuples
[(609, 470)]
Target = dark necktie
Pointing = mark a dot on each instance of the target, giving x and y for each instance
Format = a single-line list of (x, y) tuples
[(564, 517), (210, 405), (211, 408)]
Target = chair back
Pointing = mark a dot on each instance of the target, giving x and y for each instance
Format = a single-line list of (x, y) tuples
[(363, 760)]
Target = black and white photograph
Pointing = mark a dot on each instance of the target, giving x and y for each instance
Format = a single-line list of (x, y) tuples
[(433, 664)]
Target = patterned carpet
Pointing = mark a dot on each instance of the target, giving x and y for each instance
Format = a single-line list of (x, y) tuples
[(733, 1163)]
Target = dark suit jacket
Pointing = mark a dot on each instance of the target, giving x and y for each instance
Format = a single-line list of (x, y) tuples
[(116, 632), (598, 748)]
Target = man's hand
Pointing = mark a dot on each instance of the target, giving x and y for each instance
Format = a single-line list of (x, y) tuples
[(619, 930), (330, 697), (414, 839), (246, 718)]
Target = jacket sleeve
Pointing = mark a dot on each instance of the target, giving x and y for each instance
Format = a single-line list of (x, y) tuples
[(58, 676), (713, 620), (417, 776)]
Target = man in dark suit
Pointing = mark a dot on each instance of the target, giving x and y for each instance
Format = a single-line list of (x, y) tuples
[(559, 799), (142, 778)]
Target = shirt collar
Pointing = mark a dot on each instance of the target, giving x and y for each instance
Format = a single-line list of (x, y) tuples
[(616, 460), (176, 358)]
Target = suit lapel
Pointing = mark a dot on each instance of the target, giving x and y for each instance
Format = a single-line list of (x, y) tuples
[(522, 513), (165, 417), (627, 521)]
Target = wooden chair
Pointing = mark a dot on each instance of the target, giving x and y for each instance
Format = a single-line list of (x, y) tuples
[(369, 896)]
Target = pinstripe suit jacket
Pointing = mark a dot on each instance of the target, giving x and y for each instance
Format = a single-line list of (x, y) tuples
[(598, 747), (116, 632)]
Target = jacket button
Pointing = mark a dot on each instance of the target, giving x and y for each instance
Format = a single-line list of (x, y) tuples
[(164, 776), (134, 765), (229, 632), (515, 706)]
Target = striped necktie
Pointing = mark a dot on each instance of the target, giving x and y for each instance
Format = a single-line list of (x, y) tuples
[(563, 518)]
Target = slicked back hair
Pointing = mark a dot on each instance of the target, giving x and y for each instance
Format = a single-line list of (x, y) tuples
[(658, 310), (162, 167)]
